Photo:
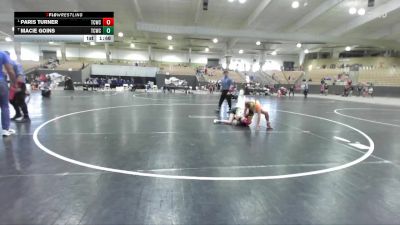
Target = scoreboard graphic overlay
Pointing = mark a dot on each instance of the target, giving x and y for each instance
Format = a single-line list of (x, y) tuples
[(64, 26)]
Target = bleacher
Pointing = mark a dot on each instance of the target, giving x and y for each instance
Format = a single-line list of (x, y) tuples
[(237, 77), (263, 78), (213, 75), (179, 70), (381, 71), (259, 77), (125, 63), (293, 75), (28, 65), (74, 65), (318, 74), (218, 75), (277, 76), (54, 64), (380, 77)]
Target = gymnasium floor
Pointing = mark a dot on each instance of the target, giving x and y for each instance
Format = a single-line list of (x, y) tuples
[(114, 158)]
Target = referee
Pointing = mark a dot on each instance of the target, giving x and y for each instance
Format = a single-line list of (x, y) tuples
[(226, 83)]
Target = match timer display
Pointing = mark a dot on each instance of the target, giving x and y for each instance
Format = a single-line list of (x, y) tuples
[(64, 26)]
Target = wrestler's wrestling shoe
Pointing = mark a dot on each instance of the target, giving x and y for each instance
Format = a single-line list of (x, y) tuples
[(233, 110), (269, 127)]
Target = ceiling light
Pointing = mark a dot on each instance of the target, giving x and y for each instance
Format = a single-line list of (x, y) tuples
[(258, 43), (274, 53), (207, 49), (120, 34), (231, 0), (8, 39), (50, 42), (242, 1), (352, 11), (69, 69), (241, 51), (132, 45), (295, 4), (170, 47), (298, 45), (361, 11), (215, 40), (92, 43), (306, 51), (169, 37), (348, 48)]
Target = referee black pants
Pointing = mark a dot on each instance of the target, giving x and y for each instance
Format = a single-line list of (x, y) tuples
[(228, 97)]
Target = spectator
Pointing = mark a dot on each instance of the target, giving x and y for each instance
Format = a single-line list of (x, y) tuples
[(326, 87), (305, 89), (68, 84), (211, 88), (351, 88), (359, 89), (371, 91), (322, 88), (5, 111), (291, 90)]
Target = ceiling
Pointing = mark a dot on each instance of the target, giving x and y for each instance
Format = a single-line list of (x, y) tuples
[(317, 23)]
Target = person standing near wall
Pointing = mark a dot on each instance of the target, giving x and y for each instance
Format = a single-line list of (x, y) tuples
[(211, 87), (359, 89), (305, 89), (5, 62), (226, 83), (326, 89), (291, 90), (322, 88)]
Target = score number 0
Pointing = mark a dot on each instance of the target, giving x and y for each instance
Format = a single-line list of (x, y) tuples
[(108, 22), (108, 26)]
